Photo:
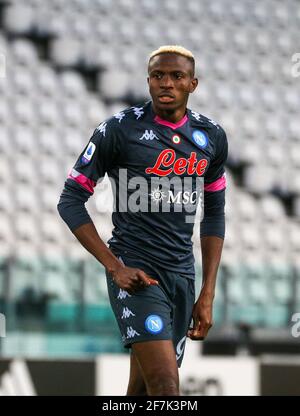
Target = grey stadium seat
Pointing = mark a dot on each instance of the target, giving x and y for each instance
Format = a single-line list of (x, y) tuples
[(18, 19)]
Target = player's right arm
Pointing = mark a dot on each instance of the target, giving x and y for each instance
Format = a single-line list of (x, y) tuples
[(101, 153)]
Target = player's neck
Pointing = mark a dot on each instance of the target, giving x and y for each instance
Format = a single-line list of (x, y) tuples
[(174, 116)]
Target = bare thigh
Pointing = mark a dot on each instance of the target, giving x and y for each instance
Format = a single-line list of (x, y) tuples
[(157, 363)]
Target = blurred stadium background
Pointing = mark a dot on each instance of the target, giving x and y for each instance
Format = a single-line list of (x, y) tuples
[(69, 64)]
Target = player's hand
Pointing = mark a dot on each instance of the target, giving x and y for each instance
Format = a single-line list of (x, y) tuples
[(202, 319), (132, 279)]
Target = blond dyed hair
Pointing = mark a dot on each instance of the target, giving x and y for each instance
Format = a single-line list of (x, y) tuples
[(179, 50)]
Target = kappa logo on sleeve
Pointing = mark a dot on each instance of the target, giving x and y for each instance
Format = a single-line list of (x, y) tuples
[(88, 154)]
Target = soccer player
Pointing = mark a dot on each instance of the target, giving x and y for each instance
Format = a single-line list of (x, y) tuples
[(150, 263)]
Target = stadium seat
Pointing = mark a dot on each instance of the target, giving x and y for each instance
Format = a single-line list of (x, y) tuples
[(18, 19), (239, 12), (66, 52), (293, 129), (247, 207), (23, 140), (291, 100), (48, 113), (6, 200), (282, 16), (25, 113), (26, 228), (271, 209), (25, 172), (258, 179), (23, 81), (72, 84), (24, 53), (51, 229), (47, 80), (114, 84)]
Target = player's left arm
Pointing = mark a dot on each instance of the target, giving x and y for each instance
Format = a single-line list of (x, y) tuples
[(212, 234)]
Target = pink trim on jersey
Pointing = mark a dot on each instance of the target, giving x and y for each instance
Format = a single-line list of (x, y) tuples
[(217, 185), (169, 124), (87, 183)]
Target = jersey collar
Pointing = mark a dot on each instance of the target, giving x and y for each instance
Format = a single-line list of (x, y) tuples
[(167, 123), (173, 126)]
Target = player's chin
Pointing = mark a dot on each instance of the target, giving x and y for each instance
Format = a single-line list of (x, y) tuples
[(171, 105)]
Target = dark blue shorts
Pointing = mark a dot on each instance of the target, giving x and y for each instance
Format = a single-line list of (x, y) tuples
[(155, 312)]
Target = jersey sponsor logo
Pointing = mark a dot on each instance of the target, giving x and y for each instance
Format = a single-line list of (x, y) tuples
[(88, 154), (127, 313), (176, 139), (181, 166), (131, 332), (157, 195), (184, 198), (180, 348), (181, 197), (200, 138), (154, 324), (149, 135)]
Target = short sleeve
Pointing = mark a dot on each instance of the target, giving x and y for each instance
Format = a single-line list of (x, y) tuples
[(99, 156), (215, 179)]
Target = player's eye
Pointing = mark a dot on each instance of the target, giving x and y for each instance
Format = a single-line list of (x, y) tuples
[(157, 76), (178, 75)]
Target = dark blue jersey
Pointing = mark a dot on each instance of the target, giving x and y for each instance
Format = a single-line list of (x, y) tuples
[(156, 168)]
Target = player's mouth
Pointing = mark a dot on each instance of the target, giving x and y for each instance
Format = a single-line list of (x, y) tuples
[(166, 98)]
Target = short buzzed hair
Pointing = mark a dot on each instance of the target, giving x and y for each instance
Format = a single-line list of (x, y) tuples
[(177, 49)]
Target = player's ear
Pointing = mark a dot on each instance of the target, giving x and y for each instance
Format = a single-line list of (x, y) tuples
[(193, 84), (148, 80)]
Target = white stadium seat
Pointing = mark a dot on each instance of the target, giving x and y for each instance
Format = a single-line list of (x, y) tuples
[(72, 84), (66, 52), (18, 19), (114, 84), (271, 209), (24, 53), (26, 228)]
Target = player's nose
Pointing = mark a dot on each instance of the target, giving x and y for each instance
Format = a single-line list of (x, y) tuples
[(166, 82)]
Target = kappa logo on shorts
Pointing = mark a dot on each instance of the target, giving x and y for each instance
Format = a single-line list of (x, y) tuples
[(154, 324), (123, 294), (131, 332), (127, 313)]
